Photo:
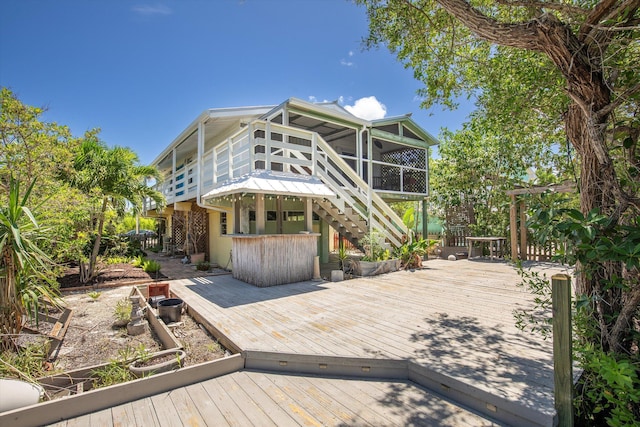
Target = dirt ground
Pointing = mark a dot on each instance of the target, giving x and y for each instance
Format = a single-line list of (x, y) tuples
[(111, 273), (93, 339)]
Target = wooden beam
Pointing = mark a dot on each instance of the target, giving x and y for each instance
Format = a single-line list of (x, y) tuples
[(560, 188), (523, 231), (513, 228)]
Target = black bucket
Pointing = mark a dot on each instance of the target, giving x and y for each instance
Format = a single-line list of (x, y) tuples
[(170, 309)]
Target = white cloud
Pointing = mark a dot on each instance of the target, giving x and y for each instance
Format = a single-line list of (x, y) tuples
[(368, 108), (157, 9), (348, 63)]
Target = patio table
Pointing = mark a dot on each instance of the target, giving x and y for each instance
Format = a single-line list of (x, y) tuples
[(495, 244)]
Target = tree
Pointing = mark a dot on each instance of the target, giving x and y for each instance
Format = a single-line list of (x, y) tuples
[(113, 177), (477, 165), (548, 67), (30, 148), (23, 265)]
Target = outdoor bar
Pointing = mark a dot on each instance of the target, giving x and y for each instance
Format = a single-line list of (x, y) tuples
[(274, 259)]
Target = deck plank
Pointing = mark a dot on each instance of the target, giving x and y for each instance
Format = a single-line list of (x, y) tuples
[(121, 416), (232, 414), (165, 410), (186, 408), (271, 409), (145, 414), (206, 405)]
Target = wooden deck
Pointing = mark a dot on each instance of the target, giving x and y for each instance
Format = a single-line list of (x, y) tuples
[(249, 398), (451, 321)]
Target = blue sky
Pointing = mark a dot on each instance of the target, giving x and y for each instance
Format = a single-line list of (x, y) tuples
[(142, 71)]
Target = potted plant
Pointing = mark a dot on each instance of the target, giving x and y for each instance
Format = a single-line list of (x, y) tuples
[(412, 252), (377, 259)]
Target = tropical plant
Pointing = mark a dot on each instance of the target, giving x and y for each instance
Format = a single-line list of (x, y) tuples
[(23, 265), (374, 247), (114, 178), (151, 266), (343, 256), (412, 252)]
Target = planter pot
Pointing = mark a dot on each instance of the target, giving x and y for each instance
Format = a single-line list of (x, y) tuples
[(170, 310), (17, 394), (162, 361), (196, 258), (372, 268)]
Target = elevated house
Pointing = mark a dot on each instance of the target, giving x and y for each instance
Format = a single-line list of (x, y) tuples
[(258, 184)]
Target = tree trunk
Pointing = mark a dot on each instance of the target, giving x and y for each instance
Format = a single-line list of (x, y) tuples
[(599, 186), (91, 273), (10, 310)]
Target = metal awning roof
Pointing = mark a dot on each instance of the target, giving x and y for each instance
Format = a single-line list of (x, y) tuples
[(270, 182)]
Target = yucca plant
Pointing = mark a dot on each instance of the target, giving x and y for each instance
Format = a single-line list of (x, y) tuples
[(24, 268)]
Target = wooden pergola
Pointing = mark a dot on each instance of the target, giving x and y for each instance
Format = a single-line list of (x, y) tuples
[(520, 204)]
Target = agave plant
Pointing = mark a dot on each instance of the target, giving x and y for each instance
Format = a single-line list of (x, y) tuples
[(24, 282)]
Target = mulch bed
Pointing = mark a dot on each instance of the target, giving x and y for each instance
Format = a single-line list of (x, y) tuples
[(111, 273)]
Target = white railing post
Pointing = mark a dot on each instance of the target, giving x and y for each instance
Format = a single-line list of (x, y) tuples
[(267, 146), (230, 156), (214, 166), (314, 152), (173, 174), (199, 159), (252, 166)]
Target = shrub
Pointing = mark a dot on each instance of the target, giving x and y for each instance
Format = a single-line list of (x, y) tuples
[(122, 312), (203, 266), (138, 261), (26, 363), (151, 266), (116, 259)]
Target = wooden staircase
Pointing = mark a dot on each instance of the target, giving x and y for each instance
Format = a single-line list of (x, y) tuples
[(348, 223)]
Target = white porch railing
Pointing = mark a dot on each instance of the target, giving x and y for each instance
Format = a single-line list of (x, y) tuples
[(271, 146)]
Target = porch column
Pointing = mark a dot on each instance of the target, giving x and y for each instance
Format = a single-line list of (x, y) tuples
[(513, 214), (260, 215), (308, 214), (278, 214), (236, 217)]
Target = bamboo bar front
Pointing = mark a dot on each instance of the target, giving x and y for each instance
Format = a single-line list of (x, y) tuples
[(274, 259)]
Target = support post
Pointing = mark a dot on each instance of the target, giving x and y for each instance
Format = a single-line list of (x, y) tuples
[(308, 214), (260, 214), (236, 216), (513, 227), (562, 349), (523, 232), (425, 220)]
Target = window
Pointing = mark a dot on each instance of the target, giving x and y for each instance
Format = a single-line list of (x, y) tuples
[(294, 216), (223, 223)]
